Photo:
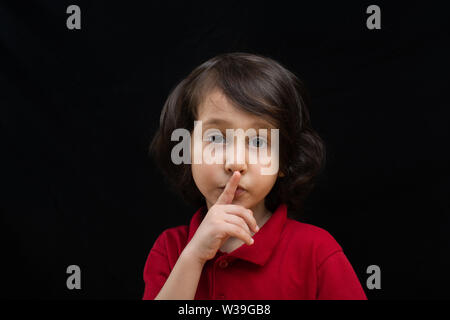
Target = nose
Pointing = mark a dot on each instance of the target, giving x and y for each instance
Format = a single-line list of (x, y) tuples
[(232, 167), (235, 160)]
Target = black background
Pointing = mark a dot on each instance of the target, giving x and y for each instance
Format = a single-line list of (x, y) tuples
[(79, 107)]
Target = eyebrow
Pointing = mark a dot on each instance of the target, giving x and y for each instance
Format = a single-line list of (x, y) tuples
[(221, 122), (216, 121)]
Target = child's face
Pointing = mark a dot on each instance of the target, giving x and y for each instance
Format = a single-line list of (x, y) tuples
[(217, 113)]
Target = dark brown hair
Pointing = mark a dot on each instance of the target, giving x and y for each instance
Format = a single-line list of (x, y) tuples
[(258, 85)]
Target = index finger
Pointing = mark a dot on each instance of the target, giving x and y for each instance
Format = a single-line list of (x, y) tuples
[(227, 195)]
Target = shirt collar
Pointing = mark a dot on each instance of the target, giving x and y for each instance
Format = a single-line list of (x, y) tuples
[(266, 238)]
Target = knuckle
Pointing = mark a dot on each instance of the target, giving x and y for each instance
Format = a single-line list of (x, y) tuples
[(243, 223), (217, 224)]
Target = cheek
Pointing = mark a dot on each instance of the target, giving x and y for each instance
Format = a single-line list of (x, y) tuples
[(268, 182), (264, 183), (197, 175), (204, 176)]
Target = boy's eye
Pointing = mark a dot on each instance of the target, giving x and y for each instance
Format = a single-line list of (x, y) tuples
[(258, 142), (216, 138)]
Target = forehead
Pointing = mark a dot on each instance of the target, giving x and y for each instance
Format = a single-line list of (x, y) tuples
[(218, 109)]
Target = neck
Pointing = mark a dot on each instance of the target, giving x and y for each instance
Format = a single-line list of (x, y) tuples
[(261, 213)]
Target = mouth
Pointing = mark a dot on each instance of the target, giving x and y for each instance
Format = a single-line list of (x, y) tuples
[(239, 191)]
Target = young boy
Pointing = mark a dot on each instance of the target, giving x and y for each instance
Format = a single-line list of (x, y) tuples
[(241, 244)]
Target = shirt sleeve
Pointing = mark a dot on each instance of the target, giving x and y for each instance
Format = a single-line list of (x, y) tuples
[(337, 279), (156, 270)]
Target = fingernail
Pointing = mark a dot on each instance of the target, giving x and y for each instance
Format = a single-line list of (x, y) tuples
[(252, 241), (257, 228)]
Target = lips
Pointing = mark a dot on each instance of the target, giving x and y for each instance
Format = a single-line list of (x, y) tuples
[(239, 190)]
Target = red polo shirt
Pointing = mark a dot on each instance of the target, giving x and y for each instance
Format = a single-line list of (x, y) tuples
[(288, 260)]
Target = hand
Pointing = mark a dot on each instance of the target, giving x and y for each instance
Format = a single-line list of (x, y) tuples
[(223, 220)]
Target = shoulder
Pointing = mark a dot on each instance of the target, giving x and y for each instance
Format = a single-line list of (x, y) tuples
[(309, 232), (171, 238), (314, 239)]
